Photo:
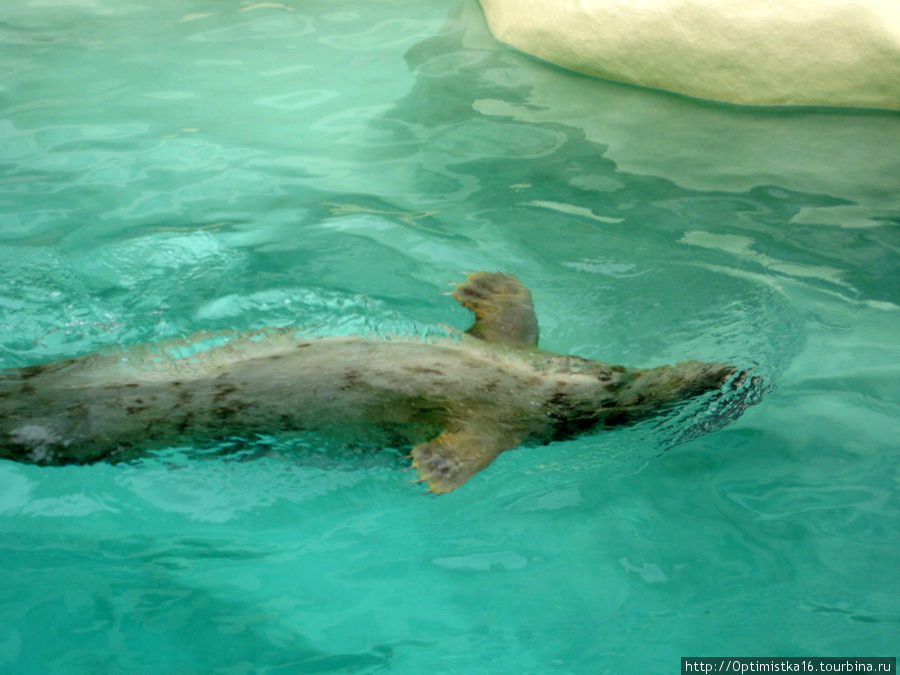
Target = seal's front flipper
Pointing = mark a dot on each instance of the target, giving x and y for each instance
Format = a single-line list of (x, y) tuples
[(452, 458), (503, 309)]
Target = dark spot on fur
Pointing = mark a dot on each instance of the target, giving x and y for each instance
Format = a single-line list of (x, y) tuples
[(275, 357), (617, 418), (305, 344), (185, 422), (352, 380), (569, 416), (26, 389), (135, 409), (227, 409), (440, 468), (434, 462), (424, 370), (155, 430), (492, 385), (31, 371), (131, 384), (471, 293), (225, 412), (176, 383), (618, 369), (223, 391)]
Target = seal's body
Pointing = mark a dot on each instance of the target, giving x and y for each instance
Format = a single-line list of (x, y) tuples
[(459, 402)]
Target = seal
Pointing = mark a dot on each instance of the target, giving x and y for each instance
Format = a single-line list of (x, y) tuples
[(458, 402)]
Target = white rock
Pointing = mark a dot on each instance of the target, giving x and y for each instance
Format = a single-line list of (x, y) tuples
[(759, 52)]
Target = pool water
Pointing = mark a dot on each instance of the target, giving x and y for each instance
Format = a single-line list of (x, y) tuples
[(168, 167)]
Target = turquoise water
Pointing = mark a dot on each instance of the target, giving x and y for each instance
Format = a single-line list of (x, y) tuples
[(168, 167)]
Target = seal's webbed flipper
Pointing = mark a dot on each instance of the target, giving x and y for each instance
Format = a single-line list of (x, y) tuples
[(503, 309), (448, 461)]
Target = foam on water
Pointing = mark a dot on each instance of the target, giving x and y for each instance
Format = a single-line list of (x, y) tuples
[(169, 167)]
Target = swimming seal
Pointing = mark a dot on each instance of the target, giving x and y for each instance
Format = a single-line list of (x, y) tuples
[(458, 402)]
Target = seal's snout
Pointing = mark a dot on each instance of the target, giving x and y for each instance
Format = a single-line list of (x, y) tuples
[(742, 384), (719, 374), (694, 378)]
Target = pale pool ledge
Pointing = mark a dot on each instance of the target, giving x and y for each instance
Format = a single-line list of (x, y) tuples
[(756, 52)]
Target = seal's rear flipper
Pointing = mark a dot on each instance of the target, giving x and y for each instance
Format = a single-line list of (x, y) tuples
[(452, 458), (503, 309)]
